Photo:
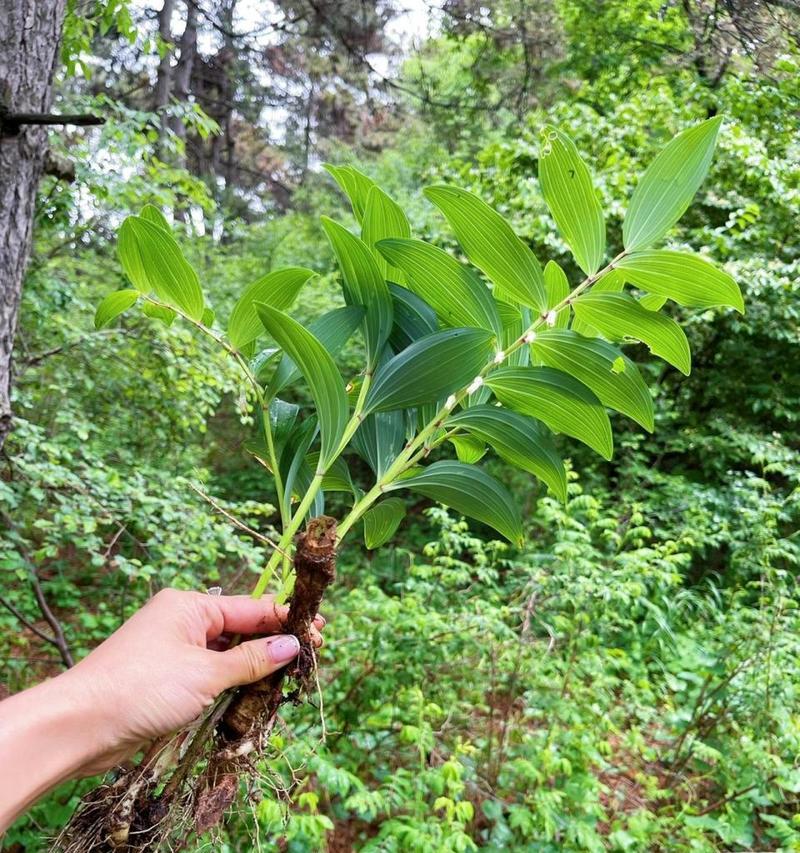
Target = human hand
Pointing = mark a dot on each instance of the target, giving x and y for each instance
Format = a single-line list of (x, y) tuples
[(157, 673), (171, 660)]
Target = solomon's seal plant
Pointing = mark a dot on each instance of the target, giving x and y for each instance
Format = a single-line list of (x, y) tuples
[(494, 356)]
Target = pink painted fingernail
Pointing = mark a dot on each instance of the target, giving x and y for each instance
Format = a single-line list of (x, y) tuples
[(283, 648), (321, 619)]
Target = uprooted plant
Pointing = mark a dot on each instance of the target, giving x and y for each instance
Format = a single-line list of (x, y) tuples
[(451, 360)]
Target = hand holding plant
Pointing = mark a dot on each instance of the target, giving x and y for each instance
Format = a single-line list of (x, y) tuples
[(159, 672)]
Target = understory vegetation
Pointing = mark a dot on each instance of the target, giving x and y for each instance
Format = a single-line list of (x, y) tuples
[(627, 679)]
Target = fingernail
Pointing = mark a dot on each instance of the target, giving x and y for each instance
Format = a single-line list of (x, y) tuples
[(321, 620), (283, 648)]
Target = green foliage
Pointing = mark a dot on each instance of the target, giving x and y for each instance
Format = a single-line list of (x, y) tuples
[(575, 376), (626, 679)]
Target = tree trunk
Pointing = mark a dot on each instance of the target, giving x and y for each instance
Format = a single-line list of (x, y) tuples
[(163, 88), (30, 35)]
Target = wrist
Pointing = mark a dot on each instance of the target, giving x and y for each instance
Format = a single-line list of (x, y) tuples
[(86, 717), (48, 735)]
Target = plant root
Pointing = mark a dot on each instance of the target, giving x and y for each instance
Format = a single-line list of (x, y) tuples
[(153, 807)]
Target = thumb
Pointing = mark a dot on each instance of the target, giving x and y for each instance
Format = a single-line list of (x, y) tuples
[(256, 659)]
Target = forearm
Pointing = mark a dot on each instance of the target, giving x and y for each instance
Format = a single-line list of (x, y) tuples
[(47, 735)]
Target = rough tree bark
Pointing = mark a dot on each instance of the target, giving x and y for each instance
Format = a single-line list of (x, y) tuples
[(30, 35)]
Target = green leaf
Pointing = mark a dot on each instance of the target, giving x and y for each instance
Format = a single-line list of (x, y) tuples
[(381, 522), (652, 301), (618, 315), (668, 186), (260, 362), (429, 369), (610, 282), (379, 439), (278, 289), (355, 185), (491, 244), (318, 369), (383, 219), (209, 315), (561, 401), (591, 361), (413, 318), (471, 491), (337, 478), (568, 190), (152, 214), (468, 448), (454, 291), (332, 330), (153, 261), (159, 312), (519, 440), (557, 288), (515, 320), (113, 305), (296, 472), (683, 277), (282, 419), (363, 284)]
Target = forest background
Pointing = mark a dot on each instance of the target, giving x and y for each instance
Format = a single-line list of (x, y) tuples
[(628, 679)]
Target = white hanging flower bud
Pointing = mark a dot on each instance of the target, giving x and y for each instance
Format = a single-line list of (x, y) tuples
[(529, 337), (550, 318), (450, 402), (475, 384), (499, 357)]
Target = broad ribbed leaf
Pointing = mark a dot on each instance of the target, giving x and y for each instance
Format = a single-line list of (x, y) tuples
[(337, 478), (413, 318), (618, 316), (384, 219), (468, 448), (556, 286), (363, 284), (471, 491), (491, 244), (153, 261), (278, 289), (652, 301), (318, 369), (520, 440), (380, 439), (668, 186), (610, 282), (152, 214), (685, 278), (261, 361), (431, 368), (568, 190), (282, 419), (596, 363), (113, 305), (296, 472), (355, 185), (332, 330), (381, 522), (454, 291), (159, 312), (561, 401), (511, 319)]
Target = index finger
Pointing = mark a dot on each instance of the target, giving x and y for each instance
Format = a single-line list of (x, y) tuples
[(241, 614)]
